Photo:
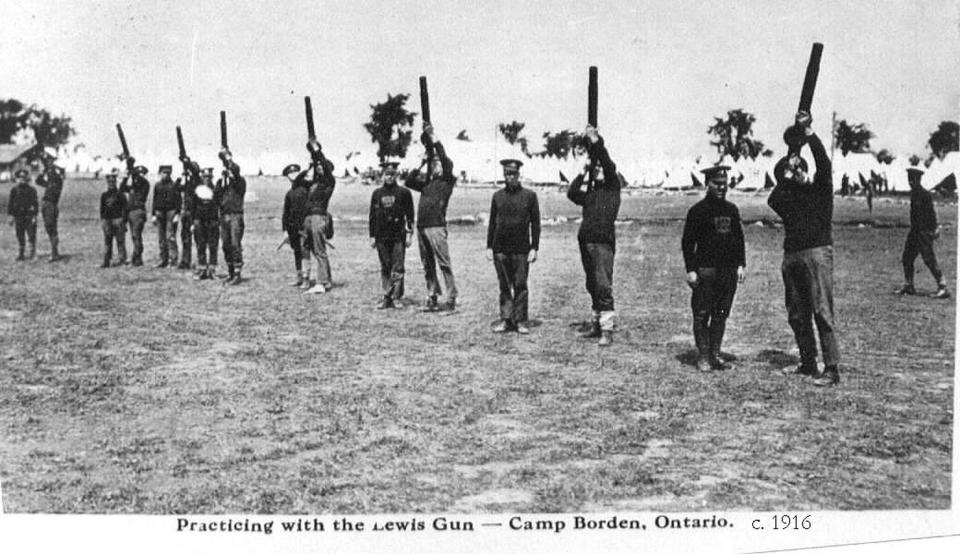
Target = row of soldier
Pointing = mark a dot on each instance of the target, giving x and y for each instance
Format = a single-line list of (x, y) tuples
[(712, 245)]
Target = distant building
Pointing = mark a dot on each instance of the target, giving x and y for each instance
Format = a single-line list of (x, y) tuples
[(14, 157)]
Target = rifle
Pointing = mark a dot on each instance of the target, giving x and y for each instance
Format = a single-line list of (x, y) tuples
[(126, 150), (794, 136), (592, 97), (311, 133), (424, 99), (224, 145)]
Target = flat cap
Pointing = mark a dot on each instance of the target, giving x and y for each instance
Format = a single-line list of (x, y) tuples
[(21, 173), (511, 163), (142, 169), (715, 173), (389, 164), (165, 168), (292, 168)]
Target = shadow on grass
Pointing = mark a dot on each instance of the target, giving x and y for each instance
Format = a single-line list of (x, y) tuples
[(777, 358), (690, 357)]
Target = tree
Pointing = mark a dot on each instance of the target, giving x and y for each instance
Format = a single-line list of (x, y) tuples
[(512, 133), (19, 121), (884, 156), (390, 126), (734, 136), (562, 144), (945, 139), (852, 138)]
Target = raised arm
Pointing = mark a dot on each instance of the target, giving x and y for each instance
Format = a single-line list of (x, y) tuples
[(575, 193)]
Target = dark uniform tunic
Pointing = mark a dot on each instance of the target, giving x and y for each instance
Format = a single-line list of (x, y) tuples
[(206, 233), (317, 223), (52, 180), (23, 208), (113, 206), (137, 193), (166, 209), (713, 247), (435, 192), (807, 211), (513, 231), (294, 212), (391, 218), (597, 235), (186, 186)]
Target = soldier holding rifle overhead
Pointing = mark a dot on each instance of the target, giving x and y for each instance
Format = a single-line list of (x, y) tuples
[(317, 223), (391, 232), (51, 178), (230, 189), (187, 186), (137, 188)]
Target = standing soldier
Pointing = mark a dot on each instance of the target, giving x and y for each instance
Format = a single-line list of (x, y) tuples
[(391, 232), (317, 223), (113, 205), (187, 186), (231, 188), (206, 225), (597, 236), (513, 239), (923, 231), (22, 210), (435, 189), (806, 209), (294, 211), (137, 188), (52, 180), (165, 214), (715, 258)]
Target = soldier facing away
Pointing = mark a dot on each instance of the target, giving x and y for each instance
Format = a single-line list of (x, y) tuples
[(22, 209), (137, 188), (513, 239), (113, 206), (435, 188), (806, 209), (165, 215), (391, 232), (206, 225), (597, 235), (923, 231), (51, 178), (714, 257)]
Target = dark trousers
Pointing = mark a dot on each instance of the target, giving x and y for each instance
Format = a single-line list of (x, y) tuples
[(113, 231), (920, 242), (435, 252), (167, 235), (392, 253), (51, 213), (136, 219), (512, 271), (295, 237), (25, 227), (186, 239), (597, 259), (206, 234), (711, 301), (231, 233), (808, 283)]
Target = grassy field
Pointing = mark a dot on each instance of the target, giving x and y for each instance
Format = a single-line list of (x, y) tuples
[(142, 391)]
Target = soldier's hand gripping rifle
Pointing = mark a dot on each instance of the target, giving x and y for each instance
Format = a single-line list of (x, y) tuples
[(794, 135), (126, 150)]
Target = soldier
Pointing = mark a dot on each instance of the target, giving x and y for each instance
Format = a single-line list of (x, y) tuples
[(317, 223), (231, 188), (206, 225), (187, 186), (22, 210), (113, 205), (294, 211), (923, 231), (391, 233), (806, 209), (137, 188), (714, 257), (597, 236), (165, 214), (513, 239), (52, 180), (435, 188)]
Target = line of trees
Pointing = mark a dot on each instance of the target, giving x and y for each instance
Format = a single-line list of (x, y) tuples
[(21, 123)]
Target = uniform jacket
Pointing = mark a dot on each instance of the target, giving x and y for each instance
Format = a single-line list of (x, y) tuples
[(807, 210), (600, 201), (23, 201), (713, 235), (514, 221), (391, 212), (435, 191)]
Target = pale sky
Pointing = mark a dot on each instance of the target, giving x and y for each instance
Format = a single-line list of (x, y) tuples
[(666, 68)]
